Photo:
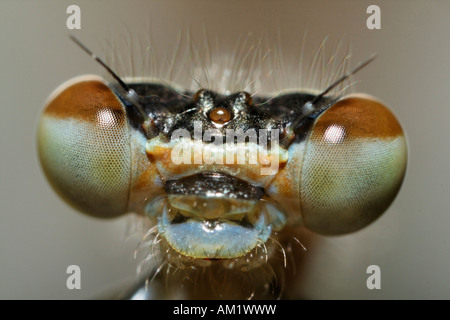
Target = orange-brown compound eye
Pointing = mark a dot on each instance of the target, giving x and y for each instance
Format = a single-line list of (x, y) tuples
[(354, 164), (220, 115), (84, 147)]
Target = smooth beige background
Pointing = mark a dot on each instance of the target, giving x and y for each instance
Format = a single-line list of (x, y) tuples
[(40, 235)]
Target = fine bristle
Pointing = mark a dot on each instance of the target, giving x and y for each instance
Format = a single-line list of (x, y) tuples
[(253, 63)]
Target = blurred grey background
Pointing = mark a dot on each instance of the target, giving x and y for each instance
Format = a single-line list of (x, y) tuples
[(40, 235)]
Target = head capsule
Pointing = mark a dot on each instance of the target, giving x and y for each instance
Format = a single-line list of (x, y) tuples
[(353, 165), (85, 147)]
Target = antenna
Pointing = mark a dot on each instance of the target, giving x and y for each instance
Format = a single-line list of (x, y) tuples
[(344, 77), (308, 107), (131, 95)]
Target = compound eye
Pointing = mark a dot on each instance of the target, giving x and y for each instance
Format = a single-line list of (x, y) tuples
[(84, 147), (354, 164)]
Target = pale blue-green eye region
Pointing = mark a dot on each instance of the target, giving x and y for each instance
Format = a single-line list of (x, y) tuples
[(213, 239)]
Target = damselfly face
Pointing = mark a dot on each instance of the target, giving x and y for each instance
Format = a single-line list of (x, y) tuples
[(219, 174)]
